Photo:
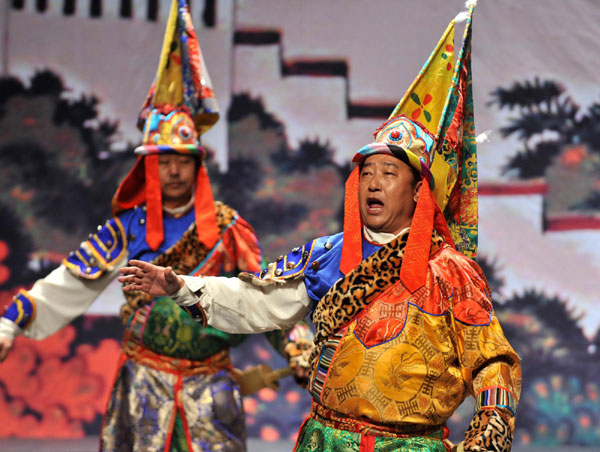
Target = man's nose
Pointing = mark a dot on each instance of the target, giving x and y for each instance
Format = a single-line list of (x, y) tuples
[(173, 168), (374, 184)]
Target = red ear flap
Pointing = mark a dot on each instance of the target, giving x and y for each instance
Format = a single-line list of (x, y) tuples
[(413, 273), (206, 218), (131, 191), (352, 245), (154, 214)]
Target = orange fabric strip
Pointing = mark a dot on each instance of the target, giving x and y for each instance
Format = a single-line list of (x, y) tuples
[(206, 218), (352, 245), (154, 214), (416, 257)]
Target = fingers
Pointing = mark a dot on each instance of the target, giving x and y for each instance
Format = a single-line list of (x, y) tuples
[(140, 264), (129, 270), (127, 279), (132, 286), (170, 275)]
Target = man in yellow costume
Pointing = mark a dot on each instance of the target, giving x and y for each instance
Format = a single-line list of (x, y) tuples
[(405, 328)]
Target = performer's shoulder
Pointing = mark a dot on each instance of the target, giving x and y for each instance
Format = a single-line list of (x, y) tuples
[(102, 249), (299, 259), (226, 215), (467, 288)]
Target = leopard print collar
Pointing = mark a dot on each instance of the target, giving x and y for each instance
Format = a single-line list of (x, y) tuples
[(373, 276)]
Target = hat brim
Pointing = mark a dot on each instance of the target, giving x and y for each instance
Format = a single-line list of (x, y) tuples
[(408, 157), (186, 149)]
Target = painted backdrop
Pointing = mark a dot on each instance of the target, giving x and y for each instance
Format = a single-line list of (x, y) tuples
[(302, 84)]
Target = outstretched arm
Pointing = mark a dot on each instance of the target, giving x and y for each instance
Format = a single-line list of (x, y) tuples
[(229, 304), (152, 279)]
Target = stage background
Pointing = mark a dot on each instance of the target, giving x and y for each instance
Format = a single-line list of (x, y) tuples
[(302, 84)]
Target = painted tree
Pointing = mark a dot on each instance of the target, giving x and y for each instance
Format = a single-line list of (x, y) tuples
[(560, 142)]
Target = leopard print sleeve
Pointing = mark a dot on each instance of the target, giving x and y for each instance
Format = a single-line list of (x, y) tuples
[(489, 430)]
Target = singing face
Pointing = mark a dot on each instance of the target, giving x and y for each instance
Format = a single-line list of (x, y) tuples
[(387, 193)]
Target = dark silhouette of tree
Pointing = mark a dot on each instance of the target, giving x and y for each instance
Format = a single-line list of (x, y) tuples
[(542, 107), (277, 188), (56, 165), (492, 273), (242, 105), (12, 233), (310, 154), (559, 366), (550, 335)]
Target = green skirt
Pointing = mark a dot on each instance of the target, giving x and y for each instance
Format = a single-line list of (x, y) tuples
[(316, 437)]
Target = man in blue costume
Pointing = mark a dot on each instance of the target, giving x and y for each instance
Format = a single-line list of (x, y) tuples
[(175, 388)]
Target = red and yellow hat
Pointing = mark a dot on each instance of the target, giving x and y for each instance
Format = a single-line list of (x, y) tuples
[(179, 108), (439, 99)]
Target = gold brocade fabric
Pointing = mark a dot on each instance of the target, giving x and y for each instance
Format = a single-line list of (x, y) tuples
[(413, 358)]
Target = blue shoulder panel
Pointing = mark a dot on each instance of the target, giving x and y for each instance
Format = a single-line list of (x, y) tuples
[(302, 260), (22, 310), (293, 263), (99, 252)]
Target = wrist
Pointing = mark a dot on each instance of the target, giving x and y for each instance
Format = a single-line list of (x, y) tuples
[(8, 328)]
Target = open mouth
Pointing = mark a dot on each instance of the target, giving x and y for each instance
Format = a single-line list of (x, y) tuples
[(374, 205)]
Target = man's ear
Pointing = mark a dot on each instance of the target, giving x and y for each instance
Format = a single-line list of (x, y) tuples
[(417, 190)]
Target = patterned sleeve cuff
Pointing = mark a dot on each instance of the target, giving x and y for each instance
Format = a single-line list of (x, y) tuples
[(496, 397), (196, 312), (22, 310)]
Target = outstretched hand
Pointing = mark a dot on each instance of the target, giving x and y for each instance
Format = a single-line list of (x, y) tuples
[(152, 279)]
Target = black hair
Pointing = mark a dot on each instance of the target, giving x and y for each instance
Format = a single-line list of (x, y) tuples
[(399, 153)]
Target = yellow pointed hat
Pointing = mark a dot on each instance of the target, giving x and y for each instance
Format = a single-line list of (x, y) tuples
[(180, 107), (432, 127)]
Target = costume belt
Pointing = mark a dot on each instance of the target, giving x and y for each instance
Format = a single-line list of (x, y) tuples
[(333, 419), (186, 367)]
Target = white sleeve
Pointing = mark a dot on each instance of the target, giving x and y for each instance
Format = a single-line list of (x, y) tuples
[(59, 298), (9, 328), (237, 306)]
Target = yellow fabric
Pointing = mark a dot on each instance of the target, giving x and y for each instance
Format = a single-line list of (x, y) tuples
[(413, 358), (424, 101), (169, 87)]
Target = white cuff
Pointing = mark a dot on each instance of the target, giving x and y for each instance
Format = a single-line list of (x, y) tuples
[(9, 328), (188, 294)]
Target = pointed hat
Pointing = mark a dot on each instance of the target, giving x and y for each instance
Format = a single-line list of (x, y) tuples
[(180, 107), (440, 100)]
